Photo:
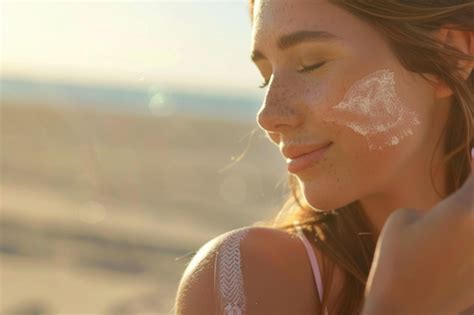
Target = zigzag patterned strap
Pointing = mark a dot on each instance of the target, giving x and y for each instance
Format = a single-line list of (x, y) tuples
[(229, 273)]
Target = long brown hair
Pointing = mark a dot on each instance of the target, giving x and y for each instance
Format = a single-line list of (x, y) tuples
[(345, 235)]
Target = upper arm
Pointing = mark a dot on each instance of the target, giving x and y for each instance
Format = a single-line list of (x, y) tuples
[(277, 278), (195, 293), (214, 277)]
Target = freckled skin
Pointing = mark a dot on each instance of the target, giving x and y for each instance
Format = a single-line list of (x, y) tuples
[(298, 108)]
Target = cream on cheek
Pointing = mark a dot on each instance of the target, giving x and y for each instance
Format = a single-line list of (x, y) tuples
[(371, 108)]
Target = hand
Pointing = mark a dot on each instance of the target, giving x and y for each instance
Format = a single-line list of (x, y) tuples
[(424, 264)]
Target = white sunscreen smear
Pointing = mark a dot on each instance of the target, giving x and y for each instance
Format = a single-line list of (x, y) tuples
[(371, 108), (229, 273)]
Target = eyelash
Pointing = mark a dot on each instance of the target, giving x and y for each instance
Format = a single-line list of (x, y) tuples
[(303, 70)]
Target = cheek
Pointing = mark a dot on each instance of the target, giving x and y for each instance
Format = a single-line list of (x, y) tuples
[(316, 92), (372, 109)]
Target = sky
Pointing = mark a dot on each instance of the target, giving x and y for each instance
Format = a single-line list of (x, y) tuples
[(192, 44)]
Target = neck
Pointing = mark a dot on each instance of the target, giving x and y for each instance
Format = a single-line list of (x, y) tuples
[(413, 188)]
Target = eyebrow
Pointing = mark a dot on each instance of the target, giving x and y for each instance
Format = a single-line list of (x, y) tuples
[(293, 39)]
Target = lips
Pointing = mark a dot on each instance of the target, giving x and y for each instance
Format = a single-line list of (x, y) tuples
[(295, 151), (306, 160)]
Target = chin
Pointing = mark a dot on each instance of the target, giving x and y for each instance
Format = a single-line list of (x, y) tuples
[(326, 199), (321, 203)]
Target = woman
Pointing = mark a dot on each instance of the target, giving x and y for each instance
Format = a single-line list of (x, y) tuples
[(371, 104)]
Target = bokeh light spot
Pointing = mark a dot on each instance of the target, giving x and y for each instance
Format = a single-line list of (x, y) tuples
[(92, 212), (159, 106)]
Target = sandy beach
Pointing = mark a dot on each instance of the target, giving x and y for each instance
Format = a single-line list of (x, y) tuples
[(100, 209)]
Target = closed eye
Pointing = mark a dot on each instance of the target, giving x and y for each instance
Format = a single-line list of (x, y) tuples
[(302, 70)]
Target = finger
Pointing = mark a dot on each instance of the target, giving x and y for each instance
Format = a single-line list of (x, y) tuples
[(406, 216)]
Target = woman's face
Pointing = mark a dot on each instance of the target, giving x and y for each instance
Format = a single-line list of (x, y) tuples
[(382, 120)]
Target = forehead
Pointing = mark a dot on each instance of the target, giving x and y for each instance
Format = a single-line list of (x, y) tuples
[(273, 18)]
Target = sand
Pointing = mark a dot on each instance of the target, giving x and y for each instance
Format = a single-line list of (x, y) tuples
[(98, 207)]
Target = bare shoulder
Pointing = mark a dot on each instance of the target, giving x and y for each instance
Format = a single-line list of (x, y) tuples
[(263, 270)]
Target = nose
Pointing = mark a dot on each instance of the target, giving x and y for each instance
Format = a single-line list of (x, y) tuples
[(281, 108)]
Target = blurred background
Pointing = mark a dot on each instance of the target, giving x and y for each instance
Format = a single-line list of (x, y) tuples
[(128, 140)]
